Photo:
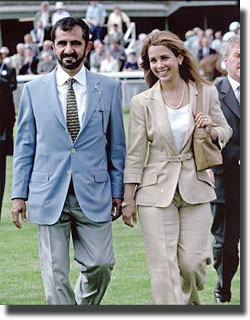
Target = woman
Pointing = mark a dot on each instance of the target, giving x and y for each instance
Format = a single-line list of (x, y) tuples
[(173, 199), (117, 17)]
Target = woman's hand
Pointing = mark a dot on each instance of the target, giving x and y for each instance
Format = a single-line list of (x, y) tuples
[(203, 120), (129, 215)]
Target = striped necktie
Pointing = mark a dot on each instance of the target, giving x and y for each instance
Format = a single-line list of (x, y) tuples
[(72, 119)]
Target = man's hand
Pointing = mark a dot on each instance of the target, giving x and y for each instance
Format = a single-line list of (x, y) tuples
[(18, 207), (116, 208)]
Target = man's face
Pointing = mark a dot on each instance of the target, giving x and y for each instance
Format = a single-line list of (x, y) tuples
[(70, 48), (233, 63)]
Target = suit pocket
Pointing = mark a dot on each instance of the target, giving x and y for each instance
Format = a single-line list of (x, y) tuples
[(101, 176), (39, 177)]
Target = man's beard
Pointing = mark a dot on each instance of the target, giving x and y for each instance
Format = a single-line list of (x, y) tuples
[(70, 65)]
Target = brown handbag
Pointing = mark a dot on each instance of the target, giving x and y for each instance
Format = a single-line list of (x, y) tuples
[(206, 153)]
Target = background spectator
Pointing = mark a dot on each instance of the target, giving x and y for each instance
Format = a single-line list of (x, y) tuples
[(30, 62), (95, 17), (7, 120), (17, 60), (118, 52), (47, 47), (28, 43), (116, 35), (117, 17), (205, 49), (8, 73), (45, 64), (217, 42), (5, 52), (96, 56), (38, 34), (60, 12), (109, 64), (44, 15), (131, 64)]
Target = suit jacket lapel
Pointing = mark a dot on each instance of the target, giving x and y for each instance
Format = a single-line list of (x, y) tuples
[(229, 98), (159, 114), (94, 95), (192, 100), (52, 100)]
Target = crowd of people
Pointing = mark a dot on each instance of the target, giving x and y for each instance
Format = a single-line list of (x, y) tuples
[(61, 128), (35, 55)]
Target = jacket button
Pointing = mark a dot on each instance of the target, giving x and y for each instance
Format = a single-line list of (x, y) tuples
[(73, 151), (69, 172)]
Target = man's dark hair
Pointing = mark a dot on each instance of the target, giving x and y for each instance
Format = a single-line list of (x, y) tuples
[(67, 24)]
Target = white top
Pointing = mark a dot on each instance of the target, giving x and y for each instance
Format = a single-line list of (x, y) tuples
[(59, 15), (79, 87), (179, 120)]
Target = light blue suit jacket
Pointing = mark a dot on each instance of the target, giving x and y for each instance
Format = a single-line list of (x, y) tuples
[(45, 158)]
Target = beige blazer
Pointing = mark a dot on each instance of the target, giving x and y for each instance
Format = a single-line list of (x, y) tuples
[(152, 159)]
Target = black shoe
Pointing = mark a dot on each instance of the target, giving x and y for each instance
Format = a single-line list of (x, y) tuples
[(222, 298)]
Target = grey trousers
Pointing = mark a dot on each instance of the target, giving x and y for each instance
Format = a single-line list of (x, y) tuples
[(93, 250), (177, 243)]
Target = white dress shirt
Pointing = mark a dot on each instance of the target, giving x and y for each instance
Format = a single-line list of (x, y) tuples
[(179, 120), (79, 87), (234, 84)]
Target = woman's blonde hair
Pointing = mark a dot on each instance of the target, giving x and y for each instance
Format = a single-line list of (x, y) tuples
[(189, 67)]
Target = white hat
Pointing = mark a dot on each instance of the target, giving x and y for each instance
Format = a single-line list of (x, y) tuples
[(234, 26), (228, 35), (59, 5)]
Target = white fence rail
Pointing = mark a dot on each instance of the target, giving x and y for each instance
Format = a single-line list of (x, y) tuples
[(132, 83)]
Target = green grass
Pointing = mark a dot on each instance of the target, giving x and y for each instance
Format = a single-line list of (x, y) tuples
[(20, 279)]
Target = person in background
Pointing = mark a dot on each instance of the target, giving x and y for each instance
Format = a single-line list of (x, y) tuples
[(109, 64), (45, 64), (226, 208), (118, 52), (7, 120), (5, 52), (116, 35), (205, 49), (68, 163), (28, 43), (38, 34), (95, 17), (47, 47), (131, 64), (17, 59), (96, 56), (117, 17), (172, 198), (44, 15), (8, 73), (217, 42), (60, 12), (30, 62)]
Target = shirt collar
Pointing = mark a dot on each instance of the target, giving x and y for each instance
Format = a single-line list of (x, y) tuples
[(62, 76), (234, 84)]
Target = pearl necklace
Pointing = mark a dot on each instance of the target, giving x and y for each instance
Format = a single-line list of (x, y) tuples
[(182, 96)]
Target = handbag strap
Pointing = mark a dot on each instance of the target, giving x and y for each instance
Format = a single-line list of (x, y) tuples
[(199, 98)]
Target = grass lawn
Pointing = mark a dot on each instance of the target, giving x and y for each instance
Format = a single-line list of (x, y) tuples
[(20, 279)]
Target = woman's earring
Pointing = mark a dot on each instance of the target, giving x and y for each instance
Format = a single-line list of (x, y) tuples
[(180, 63)]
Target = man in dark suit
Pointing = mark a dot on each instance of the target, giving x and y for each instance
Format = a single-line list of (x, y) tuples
[(226, 208), (7, 120), (205, 49), (8, 73)]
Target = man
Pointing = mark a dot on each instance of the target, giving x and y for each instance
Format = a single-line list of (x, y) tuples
[(7, 120), (226, 209), (95, 17), (59, 13), (8, 73), (68, 163)]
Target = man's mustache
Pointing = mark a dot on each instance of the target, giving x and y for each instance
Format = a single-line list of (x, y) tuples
[(72, 55)]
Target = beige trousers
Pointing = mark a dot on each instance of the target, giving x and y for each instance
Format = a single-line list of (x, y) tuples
[(178, 247)]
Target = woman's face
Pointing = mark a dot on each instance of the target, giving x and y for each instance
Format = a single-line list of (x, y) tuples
[(163, 63)]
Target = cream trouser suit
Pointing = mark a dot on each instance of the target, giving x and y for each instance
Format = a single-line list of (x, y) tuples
[(172, 197), (176, 275)]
